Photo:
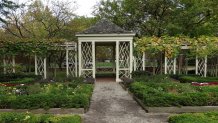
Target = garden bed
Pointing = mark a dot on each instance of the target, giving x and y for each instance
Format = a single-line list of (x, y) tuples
[(209, 117), (166, 96), (46, 96), (43, 118)]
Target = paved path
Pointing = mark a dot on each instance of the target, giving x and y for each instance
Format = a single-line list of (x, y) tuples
[(111, 104)]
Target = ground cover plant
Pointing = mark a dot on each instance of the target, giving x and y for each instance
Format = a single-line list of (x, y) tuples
[(209, 117), (51, 95), (165, 92), (42, 118)]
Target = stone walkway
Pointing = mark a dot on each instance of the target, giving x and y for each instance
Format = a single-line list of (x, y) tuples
[(111, 104)]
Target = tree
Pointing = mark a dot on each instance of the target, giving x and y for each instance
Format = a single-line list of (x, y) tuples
[(5, 6), (161, 17)]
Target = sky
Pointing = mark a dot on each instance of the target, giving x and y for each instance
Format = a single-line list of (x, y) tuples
[(84, 7)]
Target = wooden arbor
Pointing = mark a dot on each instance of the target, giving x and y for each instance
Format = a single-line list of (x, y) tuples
[(105, 31)]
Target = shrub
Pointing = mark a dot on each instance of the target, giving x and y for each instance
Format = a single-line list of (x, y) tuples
[(210, 117), (51, 96), (31, 118), (17, 76), (172, 94), (194, 78)]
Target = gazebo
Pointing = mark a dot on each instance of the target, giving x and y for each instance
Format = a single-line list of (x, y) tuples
[(105, 33)]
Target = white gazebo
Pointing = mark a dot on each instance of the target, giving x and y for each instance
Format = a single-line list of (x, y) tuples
[(105, 32)]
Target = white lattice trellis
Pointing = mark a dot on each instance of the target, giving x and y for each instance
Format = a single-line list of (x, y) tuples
[(9, 64), (201, 66), (124, 59), (87, 59), (40, 66), (170, 65), (138, 62)]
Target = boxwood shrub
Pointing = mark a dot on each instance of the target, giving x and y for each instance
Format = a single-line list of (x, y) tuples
[(194, 78), (209, 117), (17, 77), (173, 94), (49, 96), (43, 118)]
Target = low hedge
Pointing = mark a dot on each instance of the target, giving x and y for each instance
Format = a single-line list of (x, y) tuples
[(48, 96), (19, 78), (165, 95), (194, 78), (45, 101), (43, 118), (210, 117)]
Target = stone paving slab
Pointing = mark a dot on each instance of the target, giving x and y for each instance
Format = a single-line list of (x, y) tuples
[(111, 104)]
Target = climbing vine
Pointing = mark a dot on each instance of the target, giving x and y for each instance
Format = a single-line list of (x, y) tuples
[(202, 46)]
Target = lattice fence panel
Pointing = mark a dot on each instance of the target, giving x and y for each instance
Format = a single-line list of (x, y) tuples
[(72, 61), (170, 65), (8, 64), (86, 59), (138, 62), (124, 59), (40, 65), (201, 66)]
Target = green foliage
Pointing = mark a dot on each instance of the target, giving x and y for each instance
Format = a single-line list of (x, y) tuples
[(146, 77), (174, 94), (194, 78), (201, 46), (47, 96), (43, 118), (162, 17), (209, 117), (17, 77)]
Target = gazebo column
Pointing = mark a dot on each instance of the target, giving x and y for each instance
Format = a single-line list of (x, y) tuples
[(117, 61), (93, 59), (67, 61), (114, 58), (131, 58), (80, 58)]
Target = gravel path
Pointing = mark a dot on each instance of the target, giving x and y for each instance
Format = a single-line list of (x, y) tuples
[(111, 104)]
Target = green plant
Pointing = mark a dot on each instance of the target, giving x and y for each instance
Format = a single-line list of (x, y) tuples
[(210, 117), (43, 118)]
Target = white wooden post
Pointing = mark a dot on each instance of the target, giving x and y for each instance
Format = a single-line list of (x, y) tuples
[(67, 61), (13, 63), (143, 61), (134, 59), (174, 66), (4, 64), (205, 66), (45, 70), (131, 58), (165, 65), (76, 63), (80, 59), (117, 61), (36, 71), (93, 59), (196, 65)]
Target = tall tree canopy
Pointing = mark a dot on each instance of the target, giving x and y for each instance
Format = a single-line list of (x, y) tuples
[(162, 17), (5, 7)]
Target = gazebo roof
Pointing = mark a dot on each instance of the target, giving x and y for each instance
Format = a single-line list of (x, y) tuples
[(105, 27)]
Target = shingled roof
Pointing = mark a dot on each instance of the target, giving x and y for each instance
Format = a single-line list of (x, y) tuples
[(105, 27)]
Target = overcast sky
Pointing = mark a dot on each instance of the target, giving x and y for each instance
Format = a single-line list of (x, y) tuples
[(84, 7)]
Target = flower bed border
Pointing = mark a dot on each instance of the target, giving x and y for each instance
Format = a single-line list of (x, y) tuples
[(182, 109), (49, 111)]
